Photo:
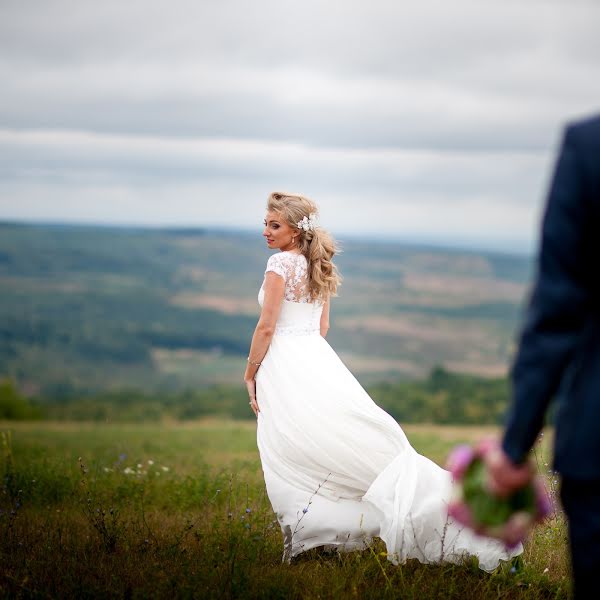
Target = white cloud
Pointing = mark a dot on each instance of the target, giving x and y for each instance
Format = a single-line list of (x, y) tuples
[(384, 192), (444, 116)]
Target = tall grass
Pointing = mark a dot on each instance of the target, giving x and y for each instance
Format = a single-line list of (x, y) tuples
[(181, 511)]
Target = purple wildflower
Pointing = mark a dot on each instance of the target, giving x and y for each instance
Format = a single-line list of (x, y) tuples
[(542, 500)]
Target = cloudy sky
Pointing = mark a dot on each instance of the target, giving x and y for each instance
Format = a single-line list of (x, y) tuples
[(428, 121)]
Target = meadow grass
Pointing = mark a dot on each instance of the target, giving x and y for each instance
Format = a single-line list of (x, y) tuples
[(180, 510)]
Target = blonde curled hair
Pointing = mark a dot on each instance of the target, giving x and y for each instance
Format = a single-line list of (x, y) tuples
[(317, 245)]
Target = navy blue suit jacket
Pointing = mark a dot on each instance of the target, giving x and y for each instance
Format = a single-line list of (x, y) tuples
[(559, 350)]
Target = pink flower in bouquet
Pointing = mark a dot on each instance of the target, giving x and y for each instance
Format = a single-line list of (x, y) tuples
[(459, 460), (461, 512), (516, 528), (508, 519), (486, 445)]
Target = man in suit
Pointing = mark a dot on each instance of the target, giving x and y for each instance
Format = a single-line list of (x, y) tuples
[(559, 353)]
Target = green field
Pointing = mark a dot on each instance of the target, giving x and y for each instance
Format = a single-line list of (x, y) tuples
[(179, 510)]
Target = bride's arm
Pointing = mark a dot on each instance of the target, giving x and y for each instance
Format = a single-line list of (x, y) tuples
[(274, 288), (325, 318)]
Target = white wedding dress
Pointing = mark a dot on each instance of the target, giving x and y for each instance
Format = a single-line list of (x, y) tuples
[(338, 469)]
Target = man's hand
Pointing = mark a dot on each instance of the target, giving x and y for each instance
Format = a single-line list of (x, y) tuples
[(504, 477)]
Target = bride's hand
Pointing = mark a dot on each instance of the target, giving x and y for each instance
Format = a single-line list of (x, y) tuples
[(251, 387)]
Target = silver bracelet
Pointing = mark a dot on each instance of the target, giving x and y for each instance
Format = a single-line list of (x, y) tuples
[(253, 363)]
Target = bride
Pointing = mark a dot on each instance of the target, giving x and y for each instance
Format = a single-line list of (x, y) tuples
[(338, 469)]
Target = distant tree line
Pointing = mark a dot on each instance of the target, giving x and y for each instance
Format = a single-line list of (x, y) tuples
[(443, 397), (15, 406)]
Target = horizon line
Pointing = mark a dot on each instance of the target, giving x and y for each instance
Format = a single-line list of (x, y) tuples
[(512, 247)]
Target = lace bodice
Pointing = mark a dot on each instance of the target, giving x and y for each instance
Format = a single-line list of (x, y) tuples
[(299, 314), (293, 268)]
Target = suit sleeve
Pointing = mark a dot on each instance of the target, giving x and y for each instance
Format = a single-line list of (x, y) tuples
[(556, 312)]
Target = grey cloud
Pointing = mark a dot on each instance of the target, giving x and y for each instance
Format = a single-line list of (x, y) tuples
[(122, 158), (363, 113), (424, 108), (502, 75)]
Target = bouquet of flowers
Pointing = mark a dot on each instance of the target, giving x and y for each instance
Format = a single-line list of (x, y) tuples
[(507, 519)]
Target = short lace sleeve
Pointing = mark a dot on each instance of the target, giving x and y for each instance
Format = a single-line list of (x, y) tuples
[(276, 264)]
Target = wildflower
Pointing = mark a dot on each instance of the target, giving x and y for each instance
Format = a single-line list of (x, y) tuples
[(128, 471), (150, 461), (546, 570), (139, 465), (305, 510), (513, 570), (248, 510), (165, 468), (122, 457), (218, 491)]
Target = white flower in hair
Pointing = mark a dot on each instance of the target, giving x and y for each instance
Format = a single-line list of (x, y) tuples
[(308, 223)]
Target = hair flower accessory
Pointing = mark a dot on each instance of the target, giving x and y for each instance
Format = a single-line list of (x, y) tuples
[(308, 223)]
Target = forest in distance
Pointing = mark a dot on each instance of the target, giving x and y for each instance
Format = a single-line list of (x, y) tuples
[(115, 323), (442, 398)]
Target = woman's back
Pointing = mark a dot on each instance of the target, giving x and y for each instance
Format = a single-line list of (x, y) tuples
[(299, 315)]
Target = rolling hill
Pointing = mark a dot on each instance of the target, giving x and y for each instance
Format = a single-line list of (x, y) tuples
[(92, 308)]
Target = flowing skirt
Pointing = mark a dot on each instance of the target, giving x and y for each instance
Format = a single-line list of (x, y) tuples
[(339, 470)]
